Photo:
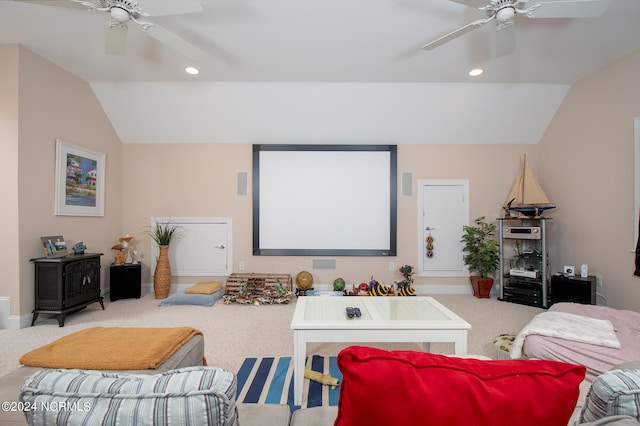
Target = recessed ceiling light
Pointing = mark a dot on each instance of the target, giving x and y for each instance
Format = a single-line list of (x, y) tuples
[(476, 72), (192, 70)]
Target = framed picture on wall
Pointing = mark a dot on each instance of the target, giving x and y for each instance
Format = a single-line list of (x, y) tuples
[(54, 246), (79, 181)]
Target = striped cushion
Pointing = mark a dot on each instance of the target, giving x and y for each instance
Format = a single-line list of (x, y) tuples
[(188, 396), (613, 392)]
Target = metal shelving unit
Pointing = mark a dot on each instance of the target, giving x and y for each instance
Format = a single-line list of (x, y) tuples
[(524, 264)]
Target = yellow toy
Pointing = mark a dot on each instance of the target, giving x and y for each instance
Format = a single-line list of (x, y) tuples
[(325, 379)]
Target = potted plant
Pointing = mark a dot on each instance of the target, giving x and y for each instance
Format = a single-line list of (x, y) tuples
[(162, 233), (482, 255)]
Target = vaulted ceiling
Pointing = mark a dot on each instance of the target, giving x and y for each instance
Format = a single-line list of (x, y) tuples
[(323, 41)]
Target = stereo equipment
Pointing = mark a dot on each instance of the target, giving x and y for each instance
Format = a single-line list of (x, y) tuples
[(523, 232), (524, 273), (523, 293)]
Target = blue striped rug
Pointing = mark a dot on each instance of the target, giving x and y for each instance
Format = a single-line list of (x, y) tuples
[(270, 381)]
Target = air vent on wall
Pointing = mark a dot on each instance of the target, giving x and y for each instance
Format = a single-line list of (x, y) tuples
[(323, 263)]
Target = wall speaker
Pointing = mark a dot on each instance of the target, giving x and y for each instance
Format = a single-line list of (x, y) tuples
[(406, 184), (323, 263), (242, 184)]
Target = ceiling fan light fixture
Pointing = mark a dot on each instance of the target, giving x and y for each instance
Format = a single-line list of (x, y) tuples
[(505, 14), (119, 14), (476, 72)]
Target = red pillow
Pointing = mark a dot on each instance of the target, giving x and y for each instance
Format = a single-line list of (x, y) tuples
[(418, 388)]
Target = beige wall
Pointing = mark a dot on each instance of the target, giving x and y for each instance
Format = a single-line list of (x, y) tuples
[(587, 164), (9, 260), (178, 180), (584, 162), (53, 103)]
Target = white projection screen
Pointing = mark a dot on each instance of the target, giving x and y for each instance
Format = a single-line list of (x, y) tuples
[(324, 200)]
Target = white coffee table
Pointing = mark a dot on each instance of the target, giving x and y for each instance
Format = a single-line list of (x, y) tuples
[(384, 319)]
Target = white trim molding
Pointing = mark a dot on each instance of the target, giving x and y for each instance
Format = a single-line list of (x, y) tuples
[(12, 322), (636, 176)]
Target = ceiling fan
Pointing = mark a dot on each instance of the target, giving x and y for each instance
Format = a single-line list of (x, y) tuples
[(505, 11), (123, 11)]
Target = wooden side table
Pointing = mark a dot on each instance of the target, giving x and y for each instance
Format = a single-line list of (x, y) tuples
[(124, 281)]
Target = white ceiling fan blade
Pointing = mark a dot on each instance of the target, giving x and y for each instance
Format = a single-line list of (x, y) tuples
[(505, 40), (472, 3), (570, 9), (175, 42), (116, 41), (455, 34), (58, 3), (169, 7)]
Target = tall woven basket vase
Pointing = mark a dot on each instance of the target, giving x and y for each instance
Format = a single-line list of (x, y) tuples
[(162, 275)]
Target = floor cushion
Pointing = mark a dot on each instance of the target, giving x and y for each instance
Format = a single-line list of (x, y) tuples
[(198, 299), (208, 287)]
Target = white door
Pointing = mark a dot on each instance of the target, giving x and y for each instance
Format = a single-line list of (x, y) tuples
[(202, 247), (443, 209)]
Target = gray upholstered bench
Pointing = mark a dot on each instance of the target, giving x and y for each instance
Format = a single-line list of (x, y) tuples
[(189, 354)]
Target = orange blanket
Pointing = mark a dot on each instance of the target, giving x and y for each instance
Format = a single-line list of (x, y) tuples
[(111, 348)]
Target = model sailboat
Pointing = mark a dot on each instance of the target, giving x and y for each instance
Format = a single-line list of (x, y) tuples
[(526, 197)]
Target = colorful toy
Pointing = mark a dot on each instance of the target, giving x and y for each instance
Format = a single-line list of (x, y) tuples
[(429, 246), (363, 288), (325, 379), (338, 284), (405, 287), (79, 248), (377, 289)]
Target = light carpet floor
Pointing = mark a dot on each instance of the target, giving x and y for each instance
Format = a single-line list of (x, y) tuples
[(235, 332)]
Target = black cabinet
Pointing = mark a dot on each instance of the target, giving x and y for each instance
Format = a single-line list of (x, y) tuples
[(124, 282), (573, 289), (66, 284)]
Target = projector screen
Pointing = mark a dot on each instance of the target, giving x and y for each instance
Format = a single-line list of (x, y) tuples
[(324, 200)]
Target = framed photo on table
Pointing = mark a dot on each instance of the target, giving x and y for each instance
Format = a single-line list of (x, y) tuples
[(79, 181), (54, 246)]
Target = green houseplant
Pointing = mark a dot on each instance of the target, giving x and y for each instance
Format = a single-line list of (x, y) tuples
[(162, 233), (482, 255)]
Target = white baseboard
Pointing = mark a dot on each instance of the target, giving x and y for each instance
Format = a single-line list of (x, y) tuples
[(5, 308), (421, 289), (12, 322), (147, 288), (425, 289), (24, 320)]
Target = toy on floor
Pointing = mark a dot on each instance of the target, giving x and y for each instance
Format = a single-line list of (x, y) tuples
[(377, 289), (324, 379), (405, 287)]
